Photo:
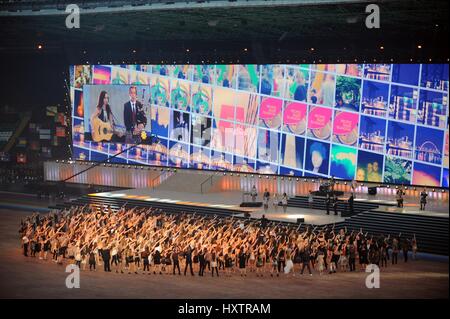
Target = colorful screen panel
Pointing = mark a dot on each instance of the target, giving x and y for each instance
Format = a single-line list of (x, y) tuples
[(382, 123)]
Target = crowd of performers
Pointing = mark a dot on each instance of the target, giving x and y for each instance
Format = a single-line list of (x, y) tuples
[(150, 241)]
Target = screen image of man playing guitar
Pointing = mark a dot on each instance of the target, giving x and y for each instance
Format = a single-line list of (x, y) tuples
[(103, 124), (134, 117)]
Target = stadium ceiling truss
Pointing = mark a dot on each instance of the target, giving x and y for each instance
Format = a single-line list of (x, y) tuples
[(281, 24)]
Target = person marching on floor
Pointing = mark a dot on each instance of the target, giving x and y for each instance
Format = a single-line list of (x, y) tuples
[(41, 244), (233, 257), (320, 262), (157, 261), (175, 261), (313, 256), (188, 257), (395, 250), (78, 256), (260, 262), (242, 258), (405, 249), (336, 256), (414, 247), (352, 256), (85, 256), (383, 254), (363, 254), (214, 264), (163, 264), (221, 260), (281, 261), (129, 259), (137, 258), (168, 262), (252, 261), (208, 259), (195, 253), (55, 249), (330, 258), (106, 255), (274, 263), (115, 257), (343, 259), (263, 222), (25, 242), (202, 262), (92, 260), (228, 263), (144, 256), (33, 246), (47, 247), (305, 260), (289, 263)]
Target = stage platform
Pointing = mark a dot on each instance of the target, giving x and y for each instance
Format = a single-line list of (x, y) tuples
[(223, 200), (212, 188), (231, 199)]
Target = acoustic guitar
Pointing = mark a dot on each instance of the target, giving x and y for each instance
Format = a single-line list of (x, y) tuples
[(103, 131)]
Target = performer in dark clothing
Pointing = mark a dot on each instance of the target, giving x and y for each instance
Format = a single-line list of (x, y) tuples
[(133, 116), (242, 257), (305, 260), (327, 203), (400, 194), (176, 262), (352, 257), (335, 204), (350, 203), (188, 256), (201, 260), (405, 248), (263, 221), (106, 256), (144, 257), (423, 199)]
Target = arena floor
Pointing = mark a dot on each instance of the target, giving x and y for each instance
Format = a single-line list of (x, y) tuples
[(22, 277)]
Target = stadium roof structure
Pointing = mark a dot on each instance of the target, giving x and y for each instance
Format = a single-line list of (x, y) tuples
[(291, 31)]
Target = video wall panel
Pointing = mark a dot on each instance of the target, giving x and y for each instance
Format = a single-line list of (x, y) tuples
[(383, 123)]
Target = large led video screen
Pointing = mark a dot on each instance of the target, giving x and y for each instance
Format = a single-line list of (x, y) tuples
[(381, 123)]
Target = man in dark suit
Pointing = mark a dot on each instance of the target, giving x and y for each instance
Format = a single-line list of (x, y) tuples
[(131, 113)]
